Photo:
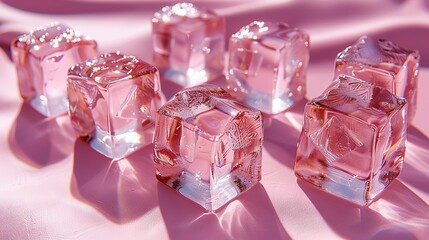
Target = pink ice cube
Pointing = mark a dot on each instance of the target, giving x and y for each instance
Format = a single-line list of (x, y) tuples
[(188, 43), (42, 58), (353, 140), (384, 64), (113, 101), (208, 146), (267, 65)]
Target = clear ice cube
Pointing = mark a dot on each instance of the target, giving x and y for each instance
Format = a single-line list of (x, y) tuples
[(353, 140), (42, 58), (384, 64), (208, 146), (113, 101), (267, 65), (188, 43)]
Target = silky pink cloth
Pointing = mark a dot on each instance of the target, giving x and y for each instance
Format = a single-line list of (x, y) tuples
[(53, 187)]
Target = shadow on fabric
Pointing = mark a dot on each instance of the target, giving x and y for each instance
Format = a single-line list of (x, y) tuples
[(122, 190), (38, 140), (251, 216), (415, 172), (281, 133)]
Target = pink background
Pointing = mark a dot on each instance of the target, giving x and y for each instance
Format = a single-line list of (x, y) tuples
[(53, 187)]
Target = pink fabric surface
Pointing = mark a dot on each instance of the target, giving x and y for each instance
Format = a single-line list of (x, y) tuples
[(55, 187)]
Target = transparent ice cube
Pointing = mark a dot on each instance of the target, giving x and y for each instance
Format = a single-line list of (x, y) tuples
[(352, 144), (112, 102), (267, 65), (385, 64), (42, 58), (208, 146), (188, 43)]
